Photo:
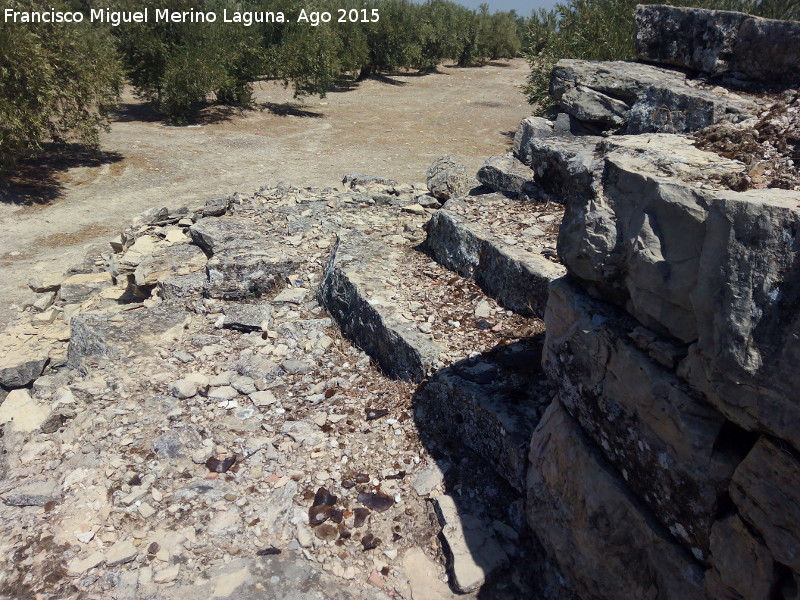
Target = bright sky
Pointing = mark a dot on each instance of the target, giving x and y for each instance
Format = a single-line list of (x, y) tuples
[(523, 7)]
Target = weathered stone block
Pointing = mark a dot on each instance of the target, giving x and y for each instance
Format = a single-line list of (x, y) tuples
[(648, 423), (174, 260), (606, 544), (745, 304), (713, 41), (766, 490), (356, 289), (490, 404), (505, 174), (117, 336), (639, 98), (447, 179), (518, 279), (741, 566)]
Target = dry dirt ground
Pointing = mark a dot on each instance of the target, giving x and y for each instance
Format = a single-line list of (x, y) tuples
[(393, 126)]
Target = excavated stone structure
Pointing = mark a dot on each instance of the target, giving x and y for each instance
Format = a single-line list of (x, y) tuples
[(581, 376)]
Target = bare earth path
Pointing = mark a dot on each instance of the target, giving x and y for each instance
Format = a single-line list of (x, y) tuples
[(394, 127)]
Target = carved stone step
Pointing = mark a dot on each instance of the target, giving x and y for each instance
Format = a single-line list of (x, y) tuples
[(500, 243)]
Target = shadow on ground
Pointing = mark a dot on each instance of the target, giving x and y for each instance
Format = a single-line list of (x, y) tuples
[(39, 180), (288, 109), (475, 418)]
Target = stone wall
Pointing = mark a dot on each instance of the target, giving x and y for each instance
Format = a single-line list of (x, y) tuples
[(669, 464)]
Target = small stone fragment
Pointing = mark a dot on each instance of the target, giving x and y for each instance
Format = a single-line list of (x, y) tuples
[(377, 501)]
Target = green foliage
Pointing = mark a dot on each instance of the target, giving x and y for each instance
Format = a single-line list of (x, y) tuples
[(605, 30), (58, 84), (181, 66)]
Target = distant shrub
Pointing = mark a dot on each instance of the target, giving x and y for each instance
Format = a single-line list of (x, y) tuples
[(58, 83)]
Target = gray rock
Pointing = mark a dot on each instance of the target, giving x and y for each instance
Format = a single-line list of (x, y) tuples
[(183, 389), (712, 41), (171, 261), (474, 552), (742, 567), (658, 100), (447, 179), (258, 367), (601, 537), (356, 290), (216, 207), (505, 174), (588, 105), (745, 305), (45, 282), (44, 301), (18, 371), (647, 422), (296, 366), (354, 180), (247, 317), (239, 273), (528, 129), (182, 287), (693, 38), (122, 335), (79, 287), (766, 490), (35, 493), (517, 278), (562, 166), (489, 404)]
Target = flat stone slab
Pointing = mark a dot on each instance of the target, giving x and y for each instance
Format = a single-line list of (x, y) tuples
[(117, 335), (410, 315), (357, 289), (499, 243), (637, 98), (36, 493)]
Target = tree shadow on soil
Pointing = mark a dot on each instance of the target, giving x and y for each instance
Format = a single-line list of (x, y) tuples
[(288, 109), (38, 180)]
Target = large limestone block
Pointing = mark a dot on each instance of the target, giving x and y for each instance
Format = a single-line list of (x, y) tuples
[(766, 490), (529, 128), (647, 422), (745, 304), (516, 277), (686, 37), (741, 566), (713, 41), (639, 98), (607, 546), (174, 260), (358, 290)]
